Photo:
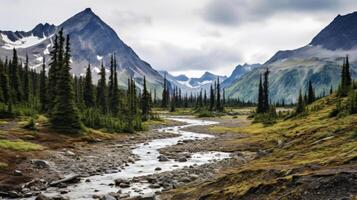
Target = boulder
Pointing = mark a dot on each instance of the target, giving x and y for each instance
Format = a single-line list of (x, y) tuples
[(40, 164), (182, 159), (163, 158), (42, 197), (107, 197)]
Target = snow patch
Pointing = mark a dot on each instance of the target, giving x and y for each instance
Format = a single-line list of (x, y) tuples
[(24, 42), (99, 58)]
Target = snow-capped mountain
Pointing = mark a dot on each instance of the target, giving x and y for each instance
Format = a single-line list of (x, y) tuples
[(320, 61), (188, 85), (238, 72), (92, 41)]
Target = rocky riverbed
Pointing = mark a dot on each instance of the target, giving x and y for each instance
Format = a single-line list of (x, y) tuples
[(139, 170)]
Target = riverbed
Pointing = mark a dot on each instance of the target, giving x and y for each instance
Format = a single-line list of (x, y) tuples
[(146, 164)]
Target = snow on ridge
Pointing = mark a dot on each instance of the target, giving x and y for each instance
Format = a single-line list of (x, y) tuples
[(24, 42), (99, 58)]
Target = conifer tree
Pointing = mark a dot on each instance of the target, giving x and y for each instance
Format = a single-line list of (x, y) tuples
[(88, 95), (300, 107), (15, 80), (65, 115), (43, 88), (111, 84), (102, 91), (266, 91), (164, 94), (260, 107), (115, 93), (53, 74), (26, 80), (211, 98), (331, 90), (4, 81), (311, 93), (218, 91), (145, 102)]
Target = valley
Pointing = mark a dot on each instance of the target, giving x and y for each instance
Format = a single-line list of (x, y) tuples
[(83, 116)]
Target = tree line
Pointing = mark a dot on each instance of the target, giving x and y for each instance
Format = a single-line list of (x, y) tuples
[(72, 103)]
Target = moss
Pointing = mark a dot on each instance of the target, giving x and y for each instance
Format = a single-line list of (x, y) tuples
[(19, 145), (314, 139), (3, 165)]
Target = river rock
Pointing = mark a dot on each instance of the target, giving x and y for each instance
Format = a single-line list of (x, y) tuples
[(157, 168), (17, 173), (107, 197), (40, 164), (163, 158), (70, 153), (71, 179), (182, 159), (154, 186), (42, 197)]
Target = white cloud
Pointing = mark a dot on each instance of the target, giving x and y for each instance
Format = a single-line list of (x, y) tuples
[(185, 36)]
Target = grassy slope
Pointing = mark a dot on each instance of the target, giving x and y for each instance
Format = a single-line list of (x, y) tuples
[(300, 153)]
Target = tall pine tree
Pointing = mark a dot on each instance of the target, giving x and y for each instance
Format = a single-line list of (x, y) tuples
[(88, 95)]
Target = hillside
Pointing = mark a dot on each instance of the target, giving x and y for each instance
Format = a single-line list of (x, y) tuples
[(319, 61), (93, 41), (307, 157)]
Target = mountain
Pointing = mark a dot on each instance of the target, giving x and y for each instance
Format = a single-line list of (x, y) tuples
[(320, 61), (92, 41), (239, 71), (188, 85)]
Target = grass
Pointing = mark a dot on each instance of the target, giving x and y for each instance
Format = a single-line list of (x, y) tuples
[(19, 145), (294, 143), (3, 165)]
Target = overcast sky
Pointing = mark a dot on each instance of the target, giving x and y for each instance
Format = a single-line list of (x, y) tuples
[(192, 36)]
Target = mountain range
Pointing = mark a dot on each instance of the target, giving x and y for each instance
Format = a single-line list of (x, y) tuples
[(194, 85), (92, 41), (320, 61)]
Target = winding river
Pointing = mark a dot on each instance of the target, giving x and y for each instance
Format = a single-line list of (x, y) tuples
[(148, 160)]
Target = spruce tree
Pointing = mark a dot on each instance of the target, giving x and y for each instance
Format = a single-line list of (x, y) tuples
[(211, 98), (65, 115), (53, 74), (43, 88), (115, 93), (102, 91), (145, 102), (26, 80), (300, 107), (266, 91), (311, 93), (4, 81), (218, 91), (88, 95), (164, 94), (15, 80), (260, 107)]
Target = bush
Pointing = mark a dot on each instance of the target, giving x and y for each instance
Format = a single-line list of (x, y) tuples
[(31, 125), (354, 134)]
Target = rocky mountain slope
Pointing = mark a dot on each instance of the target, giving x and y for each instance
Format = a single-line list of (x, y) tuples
[(319, 61), (92, 41), (188, 85)]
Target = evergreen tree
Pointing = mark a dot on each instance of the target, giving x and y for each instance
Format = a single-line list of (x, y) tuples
[(15, 80), (26, 80), (260, 107), (102, 91), (346, 79), (218, 91), (111, 85), (266, 91), (53, 74), (300, 107), (43, 88), (115, 101), (4, 81), (311, 93), (164, 93), (65, 116), (88, 95), (331, 90), (145, 102), (211, 98)]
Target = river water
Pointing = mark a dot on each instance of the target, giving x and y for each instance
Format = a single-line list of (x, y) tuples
[(148, 160)]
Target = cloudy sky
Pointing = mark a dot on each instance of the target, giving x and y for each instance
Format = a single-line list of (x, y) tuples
[(192, 36)]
